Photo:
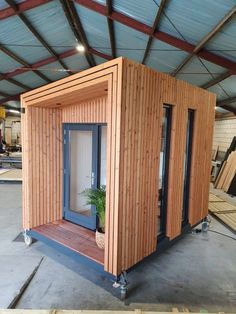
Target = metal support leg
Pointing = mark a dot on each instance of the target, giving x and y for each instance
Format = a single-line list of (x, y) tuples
[(122, 283), (205, 224), (28, 240)]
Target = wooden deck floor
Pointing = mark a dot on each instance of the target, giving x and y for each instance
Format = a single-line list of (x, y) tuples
[(74, 237)]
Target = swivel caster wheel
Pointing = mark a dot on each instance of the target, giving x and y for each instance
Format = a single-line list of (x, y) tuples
[(28, 239), (205, 226)]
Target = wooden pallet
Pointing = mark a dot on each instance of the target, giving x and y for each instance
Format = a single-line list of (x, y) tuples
[(227, 173), (214, 198), (11, 175), (223, 210)]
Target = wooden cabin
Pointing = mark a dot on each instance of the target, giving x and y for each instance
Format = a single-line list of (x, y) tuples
[(146, 135)]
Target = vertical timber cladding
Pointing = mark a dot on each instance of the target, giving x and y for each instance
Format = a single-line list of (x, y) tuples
[(144, 92), (139, 163), (132, 109), (46, 108), (184, 96), (42, 166)]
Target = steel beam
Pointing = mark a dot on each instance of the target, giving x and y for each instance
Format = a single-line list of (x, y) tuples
[(154, 28), (21, 61), (22, 7), (217, 80), (77, 28), (49, 60), (206, 39), (162, 36), (110, 25), (15, 82), (36, 34)]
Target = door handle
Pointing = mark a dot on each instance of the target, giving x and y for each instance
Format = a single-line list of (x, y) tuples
[(92, 178)]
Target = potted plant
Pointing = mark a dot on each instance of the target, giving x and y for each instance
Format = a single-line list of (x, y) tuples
[(97, 197)]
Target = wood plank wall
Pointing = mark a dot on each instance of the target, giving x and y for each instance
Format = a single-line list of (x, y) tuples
[(103, 109), (42, 166), (92, 111), (140, 146), (144, 92), (43, 204)]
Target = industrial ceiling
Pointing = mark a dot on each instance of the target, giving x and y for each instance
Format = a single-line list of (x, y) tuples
[(193, 40)]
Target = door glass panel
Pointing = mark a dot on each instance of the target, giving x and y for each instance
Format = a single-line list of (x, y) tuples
[(103, 155), (80, 169)]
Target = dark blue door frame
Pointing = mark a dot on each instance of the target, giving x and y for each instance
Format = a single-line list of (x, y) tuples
[(86, 221)]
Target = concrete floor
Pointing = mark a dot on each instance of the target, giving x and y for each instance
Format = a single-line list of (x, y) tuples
[(198, 272)]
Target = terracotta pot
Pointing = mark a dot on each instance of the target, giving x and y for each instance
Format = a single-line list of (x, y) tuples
[(100, 239)]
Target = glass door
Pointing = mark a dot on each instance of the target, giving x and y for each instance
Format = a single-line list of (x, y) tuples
[(80, 172)]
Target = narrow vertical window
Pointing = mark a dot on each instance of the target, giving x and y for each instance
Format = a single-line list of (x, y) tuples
[(102, 155), (187, 165), (164, 169)]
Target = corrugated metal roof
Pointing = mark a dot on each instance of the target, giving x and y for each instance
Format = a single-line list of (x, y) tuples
[(9, 88), (184, 19), (57, 33), (99, 60), (16, 36), (143, 11), (96, 29), (194, 72), (53, 71), (224, 42), (132, 45), (214, 69), (218, 91), (229, 85), (30, 79), (164, 58), (4, 5), (7, 64), (76, 63), (194, 19)]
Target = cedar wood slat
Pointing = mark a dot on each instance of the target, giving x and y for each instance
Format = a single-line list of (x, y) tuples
[(132, 109)]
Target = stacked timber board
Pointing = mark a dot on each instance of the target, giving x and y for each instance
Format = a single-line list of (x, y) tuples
[(10, 175), (137, 311), (227, 173), (223, 210)]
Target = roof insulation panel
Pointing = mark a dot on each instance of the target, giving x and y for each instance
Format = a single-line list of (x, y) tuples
[(57, 33), (163, 57), (143, 11), (223, 43), (9, 88), (18, 39), (194, 19), (96, 29), (129, 42), (30, 79)]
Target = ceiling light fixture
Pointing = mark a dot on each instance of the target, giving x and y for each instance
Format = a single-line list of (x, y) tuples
[(80, 48), (14, 111)]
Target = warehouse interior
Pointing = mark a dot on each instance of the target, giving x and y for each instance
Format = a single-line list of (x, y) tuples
[(143, 95)]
